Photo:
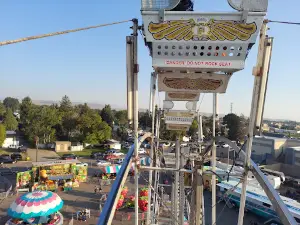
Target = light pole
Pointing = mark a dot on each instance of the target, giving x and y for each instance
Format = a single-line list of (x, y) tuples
[(36, 138)]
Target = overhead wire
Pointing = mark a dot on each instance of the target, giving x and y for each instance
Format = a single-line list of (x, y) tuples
[(9, 42), (283, 22)]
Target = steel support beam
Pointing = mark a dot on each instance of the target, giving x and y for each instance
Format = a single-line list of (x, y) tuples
[(135, 114), (213, 162), (152, 107), (279, 206)]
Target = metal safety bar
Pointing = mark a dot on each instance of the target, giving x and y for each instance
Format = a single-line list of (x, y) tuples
[(109, 208)]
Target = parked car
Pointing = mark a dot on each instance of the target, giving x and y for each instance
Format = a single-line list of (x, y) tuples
[(117, 161), (110, 151), (110, 157), (6, 159), (22, 149), (14, 146), (118, 154), (100, 156), (95, 154), (69, 156), (16, 156), (103, 163)]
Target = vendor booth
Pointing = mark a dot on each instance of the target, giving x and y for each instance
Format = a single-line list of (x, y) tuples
[(24, 181), (60, 175), (110, 172)]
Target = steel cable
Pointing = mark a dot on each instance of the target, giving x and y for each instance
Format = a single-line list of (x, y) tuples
[(59, 33)]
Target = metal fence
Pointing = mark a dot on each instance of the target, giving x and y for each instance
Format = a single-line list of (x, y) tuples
[(126, 217), (6, 186)]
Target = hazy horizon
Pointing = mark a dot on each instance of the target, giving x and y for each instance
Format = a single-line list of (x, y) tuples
[(100, 105)]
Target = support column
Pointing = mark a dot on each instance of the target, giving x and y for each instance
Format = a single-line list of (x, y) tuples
[(177, 165), (253, 116), (152, 107), (213, 162), (181, 188), (135, 116), (264, 83)]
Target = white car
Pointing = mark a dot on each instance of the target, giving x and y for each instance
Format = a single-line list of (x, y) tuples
[(142, 151), (118, 154), (103, 163)]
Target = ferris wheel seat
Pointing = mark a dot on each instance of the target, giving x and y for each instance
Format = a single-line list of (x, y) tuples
[(206, 42), (192, 83), (176, 5), (187, 5)]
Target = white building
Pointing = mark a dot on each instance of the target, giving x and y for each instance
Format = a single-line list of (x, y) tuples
[(11, 139), (113, 144), (267, 147), (292, 156)]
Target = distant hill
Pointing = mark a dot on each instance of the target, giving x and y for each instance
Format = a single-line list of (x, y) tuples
[(100, 106), (92, 105)]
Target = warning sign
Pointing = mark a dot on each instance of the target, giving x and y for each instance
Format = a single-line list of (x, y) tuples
[(178, 127), (194, 63)]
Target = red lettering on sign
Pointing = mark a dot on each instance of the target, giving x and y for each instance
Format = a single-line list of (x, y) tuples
[(198, 63), (171, 62)]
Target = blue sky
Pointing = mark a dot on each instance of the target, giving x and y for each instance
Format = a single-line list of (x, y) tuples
[(89, 66)]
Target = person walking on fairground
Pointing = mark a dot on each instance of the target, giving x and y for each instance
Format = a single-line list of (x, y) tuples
[(96, 190)]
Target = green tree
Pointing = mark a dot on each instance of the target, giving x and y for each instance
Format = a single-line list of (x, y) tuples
[(2, 134), (25, 108), (193, 128), (11, 103), (50, 117), (43, 122), (234, 125), (170, 134), (10, 120), (122, 133), (65, 104), (145, 119), (69, 119), (121, 117), (91, 127), (2, 110), (107, 115)]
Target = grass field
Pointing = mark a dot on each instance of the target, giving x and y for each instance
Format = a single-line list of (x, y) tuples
[(2, 151)]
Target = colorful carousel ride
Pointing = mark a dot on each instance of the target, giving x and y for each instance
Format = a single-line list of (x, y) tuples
[(38, 207)]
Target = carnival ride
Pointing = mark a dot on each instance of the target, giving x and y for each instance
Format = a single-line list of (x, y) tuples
[(38, 207), (195, 53), (192, 53)]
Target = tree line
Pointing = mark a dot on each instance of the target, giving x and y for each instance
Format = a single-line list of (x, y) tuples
[(232, 126), (80, 123), (63, 121)]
